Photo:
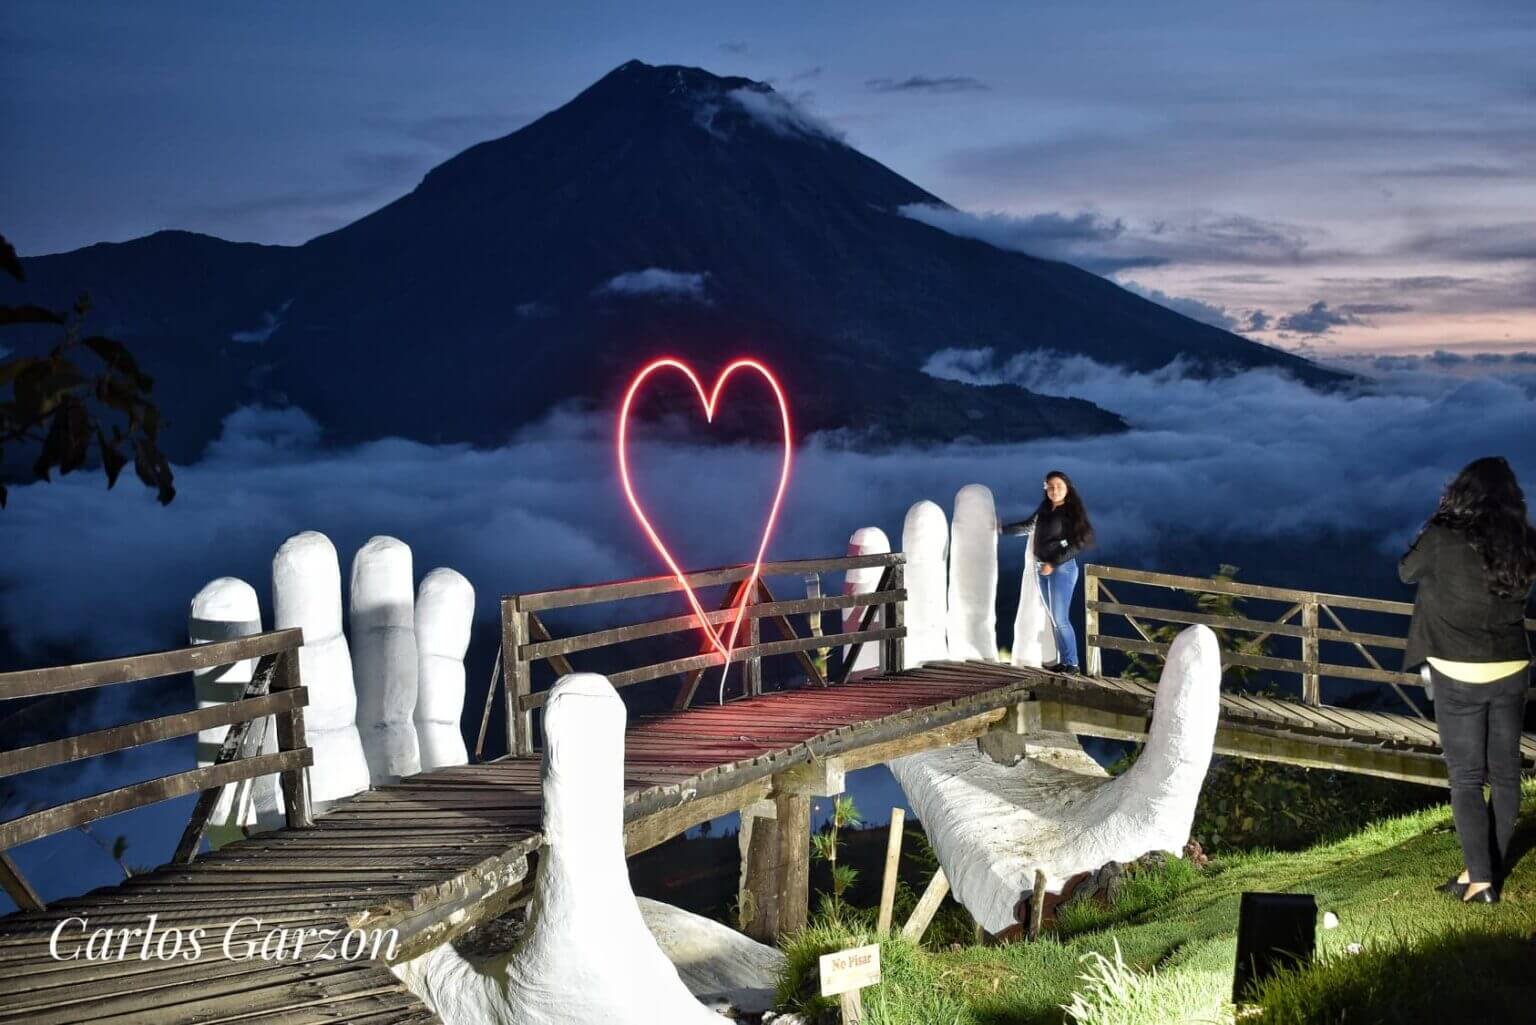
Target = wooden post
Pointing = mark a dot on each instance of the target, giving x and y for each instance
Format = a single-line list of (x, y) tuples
[(1311, 689), (892, 649), (752, 680), (290, 737), (1037, 905), (1091, 620), (15, 884), (892, 866), (792, 874), (485, 717), (758, 894), (851, 1006), (516, 677), (927, 907)]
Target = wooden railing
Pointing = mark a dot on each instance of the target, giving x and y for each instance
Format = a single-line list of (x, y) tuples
[(275, 690), (1309, 606), (526, 640)]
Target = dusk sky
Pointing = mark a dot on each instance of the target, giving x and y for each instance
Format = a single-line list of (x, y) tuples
[(1332, 177)]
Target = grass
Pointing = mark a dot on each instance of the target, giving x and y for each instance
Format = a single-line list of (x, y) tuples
[(1164, 952)]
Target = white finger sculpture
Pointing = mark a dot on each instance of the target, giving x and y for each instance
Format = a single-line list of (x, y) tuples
[(587, 956), (925, 541), (1034, 636), (993, 826), (306, 593), (224, 609), (384, 657), (972, 617), (865, 541), (445, 611)]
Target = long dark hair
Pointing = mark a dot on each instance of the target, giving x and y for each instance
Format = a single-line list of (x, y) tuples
[(1079, 530), (1485, 503)]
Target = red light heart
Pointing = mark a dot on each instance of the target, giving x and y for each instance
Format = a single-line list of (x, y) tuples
[(727, 645)]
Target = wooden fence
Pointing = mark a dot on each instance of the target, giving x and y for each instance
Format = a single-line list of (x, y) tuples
[(1314, 609), (526, 640), (275, 690)]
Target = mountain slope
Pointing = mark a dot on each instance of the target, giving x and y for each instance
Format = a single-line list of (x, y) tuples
[(661, 210)]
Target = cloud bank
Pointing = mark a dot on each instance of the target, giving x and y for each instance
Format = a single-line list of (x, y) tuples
[(657, 281)]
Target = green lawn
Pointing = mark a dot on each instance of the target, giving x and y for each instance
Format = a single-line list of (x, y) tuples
[(1423, 958)]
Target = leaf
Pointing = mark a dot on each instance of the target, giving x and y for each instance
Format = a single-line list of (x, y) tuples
[(112, 458), (29, 315), (11, 264), (116, 356)]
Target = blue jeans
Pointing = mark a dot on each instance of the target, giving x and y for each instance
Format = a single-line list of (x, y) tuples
[(1057, 589)]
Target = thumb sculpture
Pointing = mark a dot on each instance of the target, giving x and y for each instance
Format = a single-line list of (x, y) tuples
[(865, 541), (993, 826), (925, 540), (972, 619), (587, 955), (1034, 637)]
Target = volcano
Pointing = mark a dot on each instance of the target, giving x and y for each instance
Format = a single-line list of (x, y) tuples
[(664, 210)]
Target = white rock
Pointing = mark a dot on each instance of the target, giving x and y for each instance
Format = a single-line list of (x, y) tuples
[(1330, 920), (972, 617), (865, 541), (925, 541), (306, 593), (992, 826), (224, 609), (1353, 948), (383, 634), (445, 612), (1034, 638)]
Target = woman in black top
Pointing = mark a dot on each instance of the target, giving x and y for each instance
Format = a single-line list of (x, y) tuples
[(1474, 562), (1060, 530)]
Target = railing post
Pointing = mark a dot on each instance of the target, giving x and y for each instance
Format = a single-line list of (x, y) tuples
[(893, 649), (516, 677), (753, 680), (1091, 619), (290, 737), (1311, 690)]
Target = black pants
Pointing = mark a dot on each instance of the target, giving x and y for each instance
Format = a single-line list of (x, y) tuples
[(1480, 735)]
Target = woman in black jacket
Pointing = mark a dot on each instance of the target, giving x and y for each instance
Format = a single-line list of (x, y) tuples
[(1474, 562), (1060, 530)]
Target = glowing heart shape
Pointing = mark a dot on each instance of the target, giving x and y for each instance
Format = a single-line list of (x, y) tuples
[(725, 646)]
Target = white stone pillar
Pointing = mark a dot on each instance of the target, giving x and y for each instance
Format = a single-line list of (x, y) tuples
[(1034, 637), (972, 620), (306, 593), (383, 631), (865, 541), (925, 541), (445, 611)]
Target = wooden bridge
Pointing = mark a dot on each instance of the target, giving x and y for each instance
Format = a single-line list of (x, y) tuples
[(437, 854)]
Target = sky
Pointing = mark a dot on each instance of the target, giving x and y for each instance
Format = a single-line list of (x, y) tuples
[(1333, 177)]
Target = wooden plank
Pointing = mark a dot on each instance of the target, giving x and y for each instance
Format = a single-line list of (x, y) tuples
[(645, 832), (60, 679), (16, 886), (1225, 622), (927, 907), (25, 828), (888, 879), (150, 731), (639, 587), (517, 680), (294, 781), (539, 632), (690, 684), (812, 605)]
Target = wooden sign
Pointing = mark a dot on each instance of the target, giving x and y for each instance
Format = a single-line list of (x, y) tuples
[(846, 972)]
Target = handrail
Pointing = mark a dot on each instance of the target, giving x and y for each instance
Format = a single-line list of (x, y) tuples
[(1310, 632), (275, 689), (526, 640)]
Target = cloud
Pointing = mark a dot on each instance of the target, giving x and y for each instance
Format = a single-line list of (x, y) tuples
[(658, 281), (1316, 319), (734, 46), (1476, 243), (270, 322), (1251, 458), (928, 84), (781, 115), (1258, 320), (535, 310), (1206, 313), (1106, 245)]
